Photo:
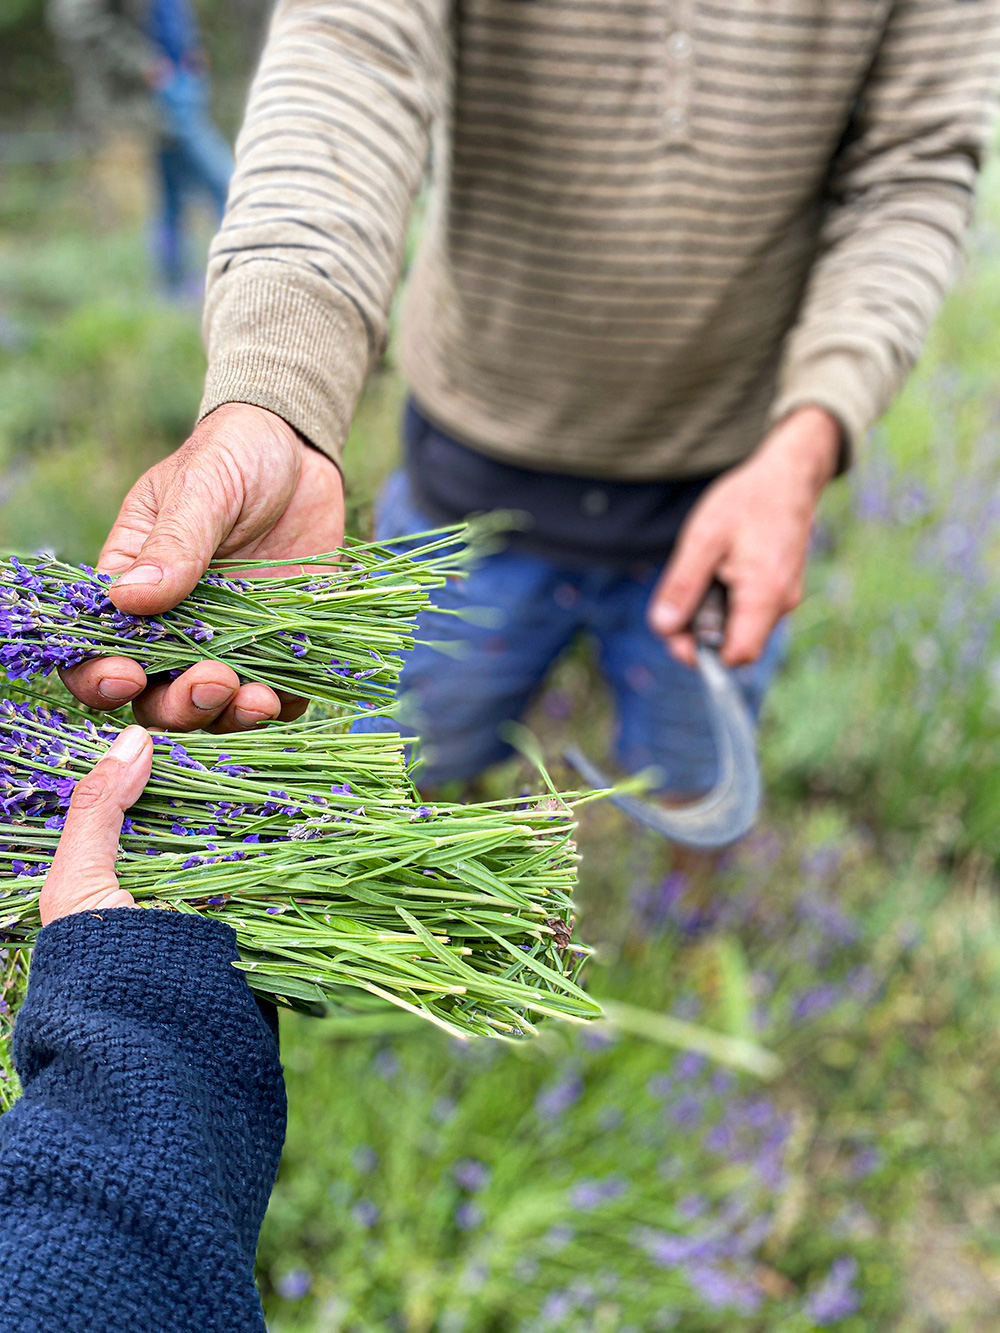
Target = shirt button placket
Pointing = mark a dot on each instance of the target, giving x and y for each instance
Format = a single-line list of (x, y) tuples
[(680, 72)]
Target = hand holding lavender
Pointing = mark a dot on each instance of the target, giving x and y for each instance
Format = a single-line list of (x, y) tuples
[(332, 630), (82, 874), (344, 889), (244, 486)]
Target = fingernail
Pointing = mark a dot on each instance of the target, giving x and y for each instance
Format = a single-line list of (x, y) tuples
[(666, 618), (211, 696), (246, 718), (129, 745), (116, 689), (147, 574)]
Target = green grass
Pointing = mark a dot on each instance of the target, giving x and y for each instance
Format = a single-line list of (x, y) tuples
[(431, 1189)]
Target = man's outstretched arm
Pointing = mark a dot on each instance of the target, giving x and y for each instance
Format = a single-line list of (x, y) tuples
[(301, 279), (899, 199)]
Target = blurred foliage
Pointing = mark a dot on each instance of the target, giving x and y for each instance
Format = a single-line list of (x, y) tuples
[(611, 1183), (892, 697), (36, 89)]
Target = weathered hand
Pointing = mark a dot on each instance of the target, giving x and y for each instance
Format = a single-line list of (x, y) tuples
[(83, 876), (751, 530), (244, 484)]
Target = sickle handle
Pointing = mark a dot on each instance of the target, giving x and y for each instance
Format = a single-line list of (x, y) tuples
[(708, 624)]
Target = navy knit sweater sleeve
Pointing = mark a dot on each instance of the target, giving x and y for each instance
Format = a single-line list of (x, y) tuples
[(136, 1167)]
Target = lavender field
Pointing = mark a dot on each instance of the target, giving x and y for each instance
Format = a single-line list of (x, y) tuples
[(610, 1182)]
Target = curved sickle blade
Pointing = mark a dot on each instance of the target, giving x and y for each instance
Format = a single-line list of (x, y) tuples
[(729, 810)]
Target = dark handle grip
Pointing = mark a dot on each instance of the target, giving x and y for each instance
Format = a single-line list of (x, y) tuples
[(708, 624)]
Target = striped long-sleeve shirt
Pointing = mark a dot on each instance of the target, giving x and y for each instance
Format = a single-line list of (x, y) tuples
[(657, 225)]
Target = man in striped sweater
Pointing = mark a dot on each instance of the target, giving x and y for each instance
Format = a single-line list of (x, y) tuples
[(682, 253)]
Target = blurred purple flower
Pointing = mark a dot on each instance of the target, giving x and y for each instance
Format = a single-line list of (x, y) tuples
[(294, 1285), (588, 1194), (822, 862), (828, 918), (862, 983), (595, 1040), (556, 1306), (864, 1162), (815, 1001), (468, 1215), (365, 1212), (719, 1288), (835, 1298), (471, 1174), (690, 1066), (554, 1101), (364, 1159), (688, 1110), (691, 1206), (660, 1086), (385, 1064)]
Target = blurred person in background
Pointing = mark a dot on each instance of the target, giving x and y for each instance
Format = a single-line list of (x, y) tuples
[(135, 1168), (678, 261), (139, 65)]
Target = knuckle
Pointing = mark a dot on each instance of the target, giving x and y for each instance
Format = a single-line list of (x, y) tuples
[(90, 791)]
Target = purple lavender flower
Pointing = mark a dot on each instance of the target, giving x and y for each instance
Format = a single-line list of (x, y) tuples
[(835, 1298), (385, 1063), (688, 1111), (589, 1194), (366, 1213), (864, 1162), (691, 1206), (559, 1236), (815, 1000), (690, 1066), (294, 1285), (364, 1159), (554, 1101), (660, 1086), (468, 1215), (557, 1306), (471, 1174), (720, 1288)]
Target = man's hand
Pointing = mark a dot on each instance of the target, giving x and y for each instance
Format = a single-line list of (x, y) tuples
[(244, 484), (83, 876), (751, 530)]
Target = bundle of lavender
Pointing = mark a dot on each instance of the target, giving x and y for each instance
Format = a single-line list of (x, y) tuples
[(314, 846), (333, 631), (13, 980)]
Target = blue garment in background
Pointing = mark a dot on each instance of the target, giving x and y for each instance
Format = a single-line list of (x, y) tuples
[(173, 29), (137, 1165), (193, 158)]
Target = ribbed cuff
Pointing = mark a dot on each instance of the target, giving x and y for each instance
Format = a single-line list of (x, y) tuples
[(280, 346), (847, 384)]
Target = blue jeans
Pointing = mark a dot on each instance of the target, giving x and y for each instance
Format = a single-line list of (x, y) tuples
[(455, 703), (192, 159)]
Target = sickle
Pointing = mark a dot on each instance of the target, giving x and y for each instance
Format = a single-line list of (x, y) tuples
[(729, 810)]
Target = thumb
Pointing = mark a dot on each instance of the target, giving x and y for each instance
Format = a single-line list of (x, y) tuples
[(83, 869), (685, 580), (187, 526)]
